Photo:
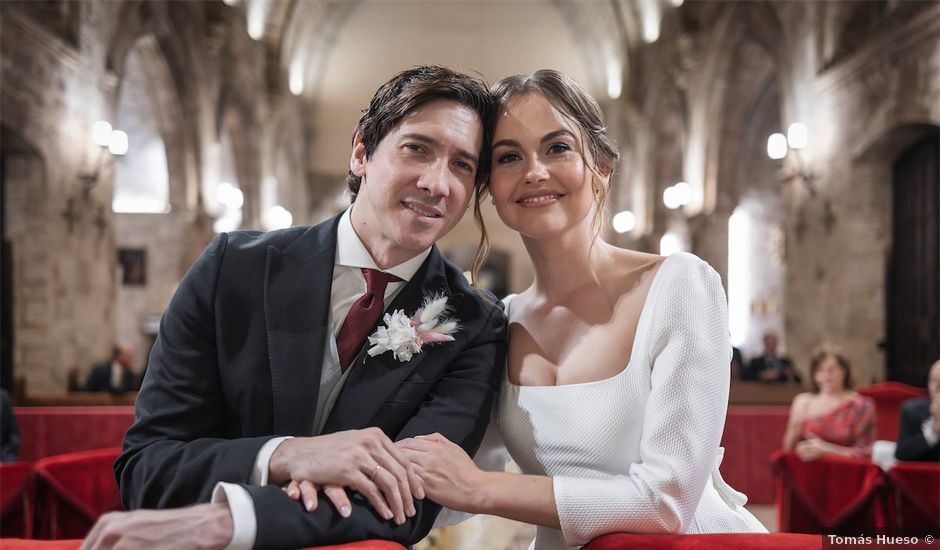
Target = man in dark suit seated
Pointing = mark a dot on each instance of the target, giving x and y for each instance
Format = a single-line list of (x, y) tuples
[(116, 375), (919, 435), (262, 372), (770, 367)]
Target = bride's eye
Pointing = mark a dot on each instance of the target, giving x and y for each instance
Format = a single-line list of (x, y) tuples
[(508, 157), (557, 148)]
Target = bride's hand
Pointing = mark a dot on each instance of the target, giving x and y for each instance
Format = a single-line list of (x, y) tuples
[(450, 477)]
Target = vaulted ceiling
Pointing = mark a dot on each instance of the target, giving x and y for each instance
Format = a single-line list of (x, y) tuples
[(337, 52)]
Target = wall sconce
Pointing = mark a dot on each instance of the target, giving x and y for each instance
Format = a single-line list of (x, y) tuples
[(105, 138), (787, 148), (677, 195), (624, 221), (277, 217)]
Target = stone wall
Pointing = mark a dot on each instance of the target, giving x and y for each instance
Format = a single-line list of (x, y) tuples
[(752, 69), (697, 104), (62, 237), (59, 76), (838, 240)]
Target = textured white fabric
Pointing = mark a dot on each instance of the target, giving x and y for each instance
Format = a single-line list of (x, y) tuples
[(637, 452)]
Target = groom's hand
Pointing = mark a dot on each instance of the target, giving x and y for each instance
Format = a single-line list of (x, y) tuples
[(364, 460), (201, 526)]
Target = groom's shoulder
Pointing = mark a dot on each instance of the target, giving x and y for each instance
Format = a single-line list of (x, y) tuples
[(248, 241), (302, 242)]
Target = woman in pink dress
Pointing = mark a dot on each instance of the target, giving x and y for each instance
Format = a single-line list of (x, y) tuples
[(832, 419)]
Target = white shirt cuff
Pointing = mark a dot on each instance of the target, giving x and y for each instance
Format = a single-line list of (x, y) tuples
[(259, 472), (929, 434), (240, 505)]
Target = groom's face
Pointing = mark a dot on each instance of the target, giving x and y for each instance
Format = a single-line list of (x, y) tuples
[(418, 182)]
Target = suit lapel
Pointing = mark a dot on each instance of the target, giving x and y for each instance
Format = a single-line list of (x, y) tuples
[(373, 379), (296, 310)]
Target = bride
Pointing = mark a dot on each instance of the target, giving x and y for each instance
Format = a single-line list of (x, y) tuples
[(616, 389)]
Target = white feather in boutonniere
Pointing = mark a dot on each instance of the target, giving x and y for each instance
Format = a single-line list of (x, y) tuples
[(405, 336)]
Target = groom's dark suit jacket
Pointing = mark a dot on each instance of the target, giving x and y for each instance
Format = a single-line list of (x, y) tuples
[(238, 360)]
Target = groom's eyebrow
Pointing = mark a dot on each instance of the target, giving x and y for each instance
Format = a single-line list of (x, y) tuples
[(431, 141)]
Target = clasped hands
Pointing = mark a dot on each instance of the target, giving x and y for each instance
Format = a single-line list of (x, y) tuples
[(364, 460), (390, 475)]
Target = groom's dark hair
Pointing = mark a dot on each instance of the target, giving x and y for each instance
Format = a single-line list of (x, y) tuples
[(412, 88)]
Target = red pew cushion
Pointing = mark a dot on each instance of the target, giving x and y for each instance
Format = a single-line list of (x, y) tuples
[(828, 494), (916, 496), (16, 499), (738, 541), (20, 544), (889, 396), (77, 488)]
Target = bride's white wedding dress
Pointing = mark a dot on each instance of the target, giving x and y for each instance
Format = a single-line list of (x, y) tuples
[(637, 452)]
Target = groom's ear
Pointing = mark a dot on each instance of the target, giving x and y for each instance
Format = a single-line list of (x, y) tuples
[(357, 160)]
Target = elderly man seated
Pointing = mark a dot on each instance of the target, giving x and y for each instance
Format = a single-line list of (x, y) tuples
[(919, 435)]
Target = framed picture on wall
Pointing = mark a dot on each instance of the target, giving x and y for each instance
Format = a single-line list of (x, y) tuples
[(133, 266)]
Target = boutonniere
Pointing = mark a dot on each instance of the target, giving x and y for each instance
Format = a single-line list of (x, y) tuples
[(404, 336)]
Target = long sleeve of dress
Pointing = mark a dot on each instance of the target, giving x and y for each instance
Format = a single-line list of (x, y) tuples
[(688, 352)]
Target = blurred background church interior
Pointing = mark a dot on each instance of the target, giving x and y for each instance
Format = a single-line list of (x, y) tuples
[(791, 144)]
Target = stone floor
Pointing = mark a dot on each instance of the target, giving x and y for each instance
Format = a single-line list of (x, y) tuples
[(766, 514)]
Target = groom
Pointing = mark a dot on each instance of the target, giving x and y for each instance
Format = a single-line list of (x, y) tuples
[(261, 372)]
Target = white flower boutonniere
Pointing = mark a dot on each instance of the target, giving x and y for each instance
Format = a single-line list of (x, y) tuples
[(404, 336)]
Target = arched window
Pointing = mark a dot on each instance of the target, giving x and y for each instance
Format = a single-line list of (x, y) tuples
[(141, 178)]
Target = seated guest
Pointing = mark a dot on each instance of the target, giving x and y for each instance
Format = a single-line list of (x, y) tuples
[(832, 419), (770, 367), (9, 429), (920, 423), (116, 375)]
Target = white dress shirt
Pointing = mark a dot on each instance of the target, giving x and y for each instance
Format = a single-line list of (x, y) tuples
[(117, 376), (347, 287), (930, 436)]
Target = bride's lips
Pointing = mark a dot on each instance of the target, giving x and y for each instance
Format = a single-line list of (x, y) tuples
[(539, 199)]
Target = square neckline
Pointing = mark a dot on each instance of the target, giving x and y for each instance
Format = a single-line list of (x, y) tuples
[(643, 320)]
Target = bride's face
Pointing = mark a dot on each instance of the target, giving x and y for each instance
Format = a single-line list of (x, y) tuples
[(540, 182)]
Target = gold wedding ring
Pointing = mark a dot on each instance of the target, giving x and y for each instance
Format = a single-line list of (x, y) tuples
[(375, 471)]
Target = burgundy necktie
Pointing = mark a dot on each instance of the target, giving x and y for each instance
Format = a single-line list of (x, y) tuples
[(363, 315)]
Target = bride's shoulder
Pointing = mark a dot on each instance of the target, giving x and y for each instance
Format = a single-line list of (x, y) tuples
[(680, 268), (631, 267), (686, 267), (686, 286), (514, 301)]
